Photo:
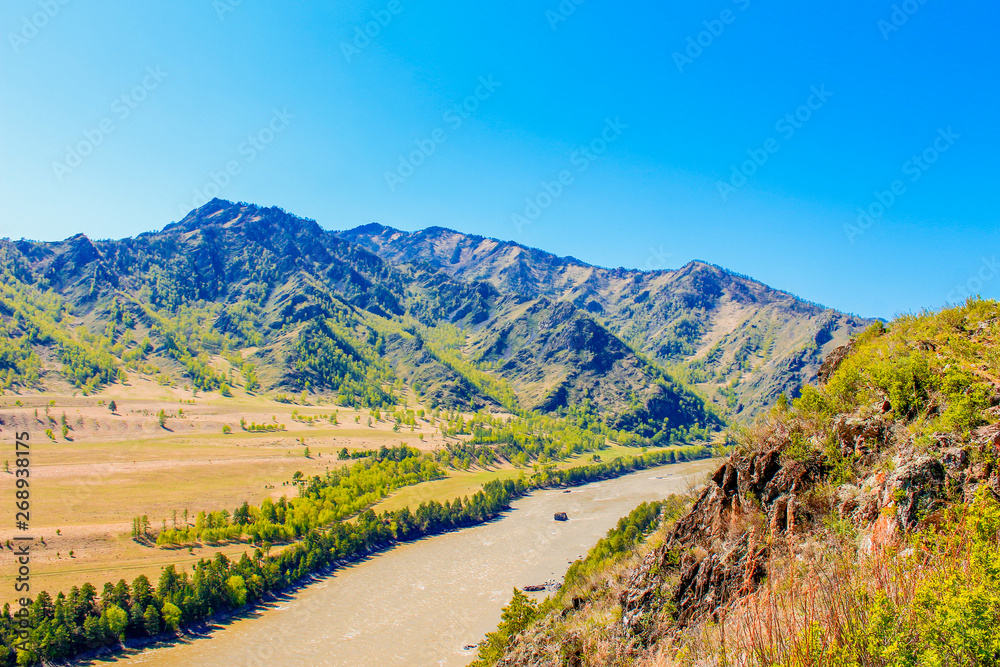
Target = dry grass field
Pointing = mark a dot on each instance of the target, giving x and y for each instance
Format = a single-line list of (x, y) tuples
[(87, 487)]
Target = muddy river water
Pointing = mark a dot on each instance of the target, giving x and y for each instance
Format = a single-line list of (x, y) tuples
[(420, 603)]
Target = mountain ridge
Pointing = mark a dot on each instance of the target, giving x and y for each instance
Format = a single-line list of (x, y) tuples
[(694, 304), (238, 290), (238, 274)]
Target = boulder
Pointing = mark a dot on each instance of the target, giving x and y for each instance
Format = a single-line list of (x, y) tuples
[(914, 488), (560, 516), (955, 458)]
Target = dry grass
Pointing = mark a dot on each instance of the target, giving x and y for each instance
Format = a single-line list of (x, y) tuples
[(822, 606), (112, 467)]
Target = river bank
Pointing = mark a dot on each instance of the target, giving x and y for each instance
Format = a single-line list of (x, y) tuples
[(421, 602)]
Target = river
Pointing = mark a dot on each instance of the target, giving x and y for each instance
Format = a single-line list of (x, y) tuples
[(418, 604)]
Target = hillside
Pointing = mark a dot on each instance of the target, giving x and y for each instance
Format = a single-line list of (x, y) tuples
[(741, 342), (235, 295), (856, 526)]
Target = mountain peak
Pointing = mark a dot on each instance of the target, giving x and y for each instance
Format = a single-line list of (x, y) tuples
[(260, 221), (373, 228)]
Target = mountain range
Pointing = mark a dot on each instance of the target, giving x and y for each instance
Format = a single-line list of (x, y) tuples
[(239, 296)]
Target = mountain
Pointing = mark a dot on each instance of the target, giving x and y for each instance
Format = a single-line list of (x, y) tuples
[(858, 525), (739, 341), (238, 295)]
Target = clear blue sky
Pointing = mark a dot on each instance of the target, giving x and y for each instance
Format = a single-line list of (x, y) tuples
[(331, 113)]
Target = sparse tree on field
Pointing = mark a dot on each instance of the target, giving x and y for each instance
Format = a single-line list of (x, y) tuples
[(162, 418)]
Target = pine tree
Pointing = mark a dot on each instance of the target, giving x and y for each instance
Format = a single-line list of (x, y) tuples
[(151, 620)]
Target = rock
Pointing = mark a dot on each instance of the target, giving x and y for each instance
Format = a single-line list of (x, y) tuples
[(867, 509), (833, 361), (711, 583), (533, 589), (859, 436), (848, 499), (987, 436), (955, 458), (791, 478), (560, 516), (914, 488)]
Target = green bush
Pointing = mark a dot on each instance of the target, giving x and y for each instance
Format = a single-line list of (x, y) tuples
[(954, 616)]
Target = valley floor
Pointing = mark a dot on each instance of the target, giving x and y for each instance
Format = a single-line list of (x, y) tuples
[(87, 487)]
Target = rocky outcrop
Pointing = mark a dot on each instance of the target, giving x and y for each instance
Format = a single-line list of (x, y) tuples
[(719, 551), (716, 553), (825, 507), (833, 361)]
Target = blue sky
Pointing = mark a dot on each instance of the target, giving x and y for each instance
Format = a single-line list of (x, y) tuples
[(637, 134)]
